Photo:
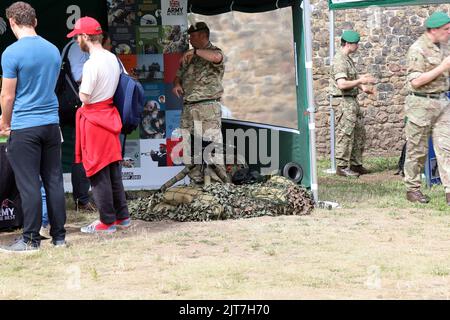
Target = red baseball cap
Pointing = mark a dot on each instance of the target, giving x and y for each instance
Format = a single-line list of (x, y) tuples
[(86, 25)]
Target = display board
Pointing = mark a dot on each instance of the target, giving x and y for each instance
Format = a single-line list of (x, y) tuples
[(149, 36)]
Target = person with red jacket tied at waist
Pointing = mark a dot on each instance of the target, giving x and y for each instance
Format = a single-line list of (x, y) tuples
[(98, 126)]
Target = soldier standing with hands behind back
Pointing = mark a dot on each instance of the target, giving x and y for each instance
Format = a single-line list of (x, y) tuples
[(427, 107), (344, 86)]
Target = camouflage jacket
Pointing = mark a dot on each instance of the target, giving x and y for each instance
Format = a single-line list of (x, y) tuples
[(423, 56), (201, 79), (342, 67)]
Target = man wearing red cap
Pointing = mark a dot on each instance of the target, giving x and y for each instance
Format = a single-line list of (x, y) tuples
[(98, 126)]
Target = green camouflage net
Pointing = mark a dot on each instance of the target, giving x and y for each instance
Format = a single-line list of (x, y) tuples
[(277, 196)]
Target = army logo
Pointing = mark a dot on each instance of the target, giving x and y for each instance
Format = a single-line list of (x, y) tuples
[(3, 26)]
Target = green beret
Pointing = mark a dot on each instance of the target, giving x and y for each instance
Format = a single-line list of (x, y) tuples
[(350, 36), (437, 20)]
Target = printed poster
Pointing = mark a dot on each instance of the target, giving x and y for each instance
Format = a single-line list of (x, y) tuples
[(150, 37), (149, 40), (174, 12), (149, 12), (123, 40), (121, 13)]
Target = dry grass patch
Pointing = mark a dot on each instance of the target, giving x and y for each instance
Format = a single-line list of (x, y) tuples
[(364, 250)]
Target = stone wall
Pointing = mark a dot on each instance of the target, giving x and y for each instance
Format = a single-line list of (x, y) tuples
[(260, 78)]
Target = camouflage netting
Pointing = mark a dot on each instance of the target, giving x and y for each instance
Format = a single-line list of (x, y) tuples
[(277, 196)]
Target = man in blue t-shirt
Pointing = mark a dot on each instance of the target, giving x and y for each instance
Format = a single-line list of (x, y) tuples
[(30, 111)]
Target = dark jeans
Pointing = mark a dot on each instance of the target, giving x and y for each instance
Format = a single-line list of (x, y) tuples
[(35, 152), (109, 194), (80, 184)]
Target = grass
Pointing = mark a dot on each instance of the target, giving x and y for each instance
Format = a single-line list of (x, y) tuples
[(381, 188), (376, 245)]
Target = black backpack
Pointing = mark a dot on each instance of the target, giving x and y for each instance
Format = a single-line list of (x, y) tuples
[(245, 176), (11, 215), (67, 90)]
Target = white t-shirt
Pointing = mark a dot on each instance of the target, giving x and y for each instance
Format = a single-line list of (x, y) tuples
[(100, 76)]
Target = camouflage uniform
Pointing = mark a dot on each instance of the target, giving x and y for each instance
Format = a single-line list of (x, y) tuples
[(202, 85), (350, 132), (426, 116)]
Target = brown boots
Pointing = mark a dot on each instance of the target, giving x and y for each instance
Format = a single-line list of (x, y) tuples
[(353, 171), (346, 172), (359, 169), (418, 196)]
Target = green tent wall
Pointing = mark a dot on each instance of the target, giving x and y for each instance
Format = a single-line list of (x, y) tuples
[(350, 4)]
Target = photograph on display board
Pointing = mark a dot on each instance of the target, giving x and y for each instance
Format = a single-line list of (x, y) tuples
[(156, 150), (123, 40), (148, 12), (132, 157), (121, 13), (150, 67), (172, 64), (174, 12), (153, 122), (172, 101), (129, 62), (174, 39), (154, 93), (172, 121), (149, 40), (174, 155)]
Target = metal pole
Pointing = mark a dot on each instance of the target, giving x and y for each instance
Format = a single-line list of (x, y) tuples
[(332, 170), (310, 94)]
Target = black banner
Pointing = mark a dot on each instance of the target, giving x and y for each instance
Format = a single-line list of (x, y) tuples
[(55, 18)]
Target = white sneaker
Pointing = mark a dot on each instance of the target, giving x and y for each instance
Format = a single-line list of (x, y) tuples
[(45, 232), (99, 227)]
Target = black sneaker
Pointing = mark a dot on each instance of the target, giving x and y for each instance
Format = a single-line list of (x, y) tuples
[(20, 246)]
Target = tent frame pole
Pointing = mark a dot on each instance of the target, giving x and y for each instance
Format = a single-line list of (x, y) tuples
[(332, 170), (305, 97)]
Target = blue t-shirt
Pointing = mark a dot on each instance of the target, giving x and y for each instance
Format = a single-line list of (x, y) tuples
[(35, 63), (77, 58)]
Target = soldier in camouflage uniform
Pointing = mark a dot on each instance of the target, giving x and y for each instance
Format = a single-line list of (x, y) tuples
[(199, 81), (427, 107), (344, 86)]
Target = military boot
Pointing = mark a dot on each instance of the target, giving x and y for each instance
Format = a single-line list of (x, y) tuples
[(417, 196), (359, 169), (346, 172)]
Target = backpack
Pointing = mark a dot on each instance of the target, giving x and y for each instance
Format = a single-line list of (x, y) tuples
[(129, 100), (67, 90), (11, 215), (245, 176)]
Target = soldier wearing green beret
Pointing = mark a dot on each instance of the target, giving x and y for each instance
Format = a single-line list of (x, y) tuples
[(344, 87), (427, 107)]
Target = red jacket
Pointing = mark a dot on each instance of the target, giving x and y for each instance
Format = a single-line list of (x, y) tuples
[(97, 132)]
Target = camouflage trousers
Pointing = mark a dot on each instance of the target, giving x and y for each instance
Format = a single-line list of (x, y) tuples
[(350, 133), (435, 122), (203, 121)]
